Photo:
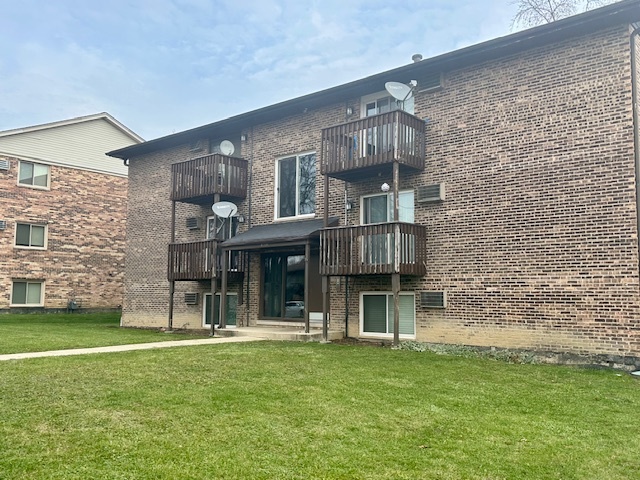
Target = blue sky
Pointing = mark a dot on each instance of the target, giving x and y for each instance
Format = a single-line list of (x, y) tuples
[(163, 66)]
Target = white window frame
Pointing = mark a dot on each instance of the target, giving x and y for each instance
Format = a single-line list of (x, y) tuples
[(36, 187), (389, 299), (30, 247), (374, 97), (204, 309), (389, 196), (228, 226), (276, 199), (28, 282)]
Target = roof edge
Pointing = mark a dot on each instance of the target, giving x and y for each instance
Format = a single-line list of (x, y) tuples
[(72, 121)]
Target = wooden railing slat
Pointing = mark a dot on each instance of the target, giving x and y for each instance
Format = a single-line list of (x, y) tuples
[(370, 249), (196, 260), (209, 175), (372, 141)]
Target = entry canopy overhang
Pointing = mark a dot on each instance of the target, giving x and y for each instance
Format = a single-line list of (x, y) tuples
[(278, 235)]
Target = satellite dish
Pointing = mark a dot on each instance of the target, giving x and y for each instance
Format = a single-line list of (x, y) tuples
[(224, 209), (398, 90), (226, 147)]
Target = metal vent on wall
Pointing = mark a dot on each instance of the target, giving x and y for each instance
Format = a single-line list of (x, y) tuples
[(191, 298), (4, 164), (430, 193), (430, 82), (3, 224), (196, 146), (193, 223), (433, 299)]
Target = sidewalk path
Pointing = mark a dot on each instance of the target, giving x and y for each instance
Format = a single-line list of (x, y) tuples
[(126, 348)]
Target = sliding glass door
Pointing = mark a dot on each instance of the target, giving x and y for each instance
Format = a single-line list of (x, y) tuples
[(283, 286)]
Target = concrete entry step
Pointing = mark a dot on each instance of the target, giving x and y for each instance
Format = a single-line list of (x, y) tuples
[(295, 334)]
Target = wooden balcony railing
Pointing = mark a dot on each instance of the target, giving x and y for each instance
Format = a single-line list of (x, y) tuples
[(372, 144), (195, 181), (195, 260), (380, 248)]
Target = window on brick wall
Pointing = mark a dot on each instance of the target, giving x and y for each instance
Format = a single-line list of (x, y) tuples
[(376, 314), (232, 308), (31, 236), (33, 175), (27, 293), (382, 102), (296, 186), (378, 249), (224, 229)]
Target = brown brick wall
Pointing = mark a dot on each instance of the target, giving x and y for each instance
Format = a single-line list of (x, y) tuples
[(536, 243), (85, 216)]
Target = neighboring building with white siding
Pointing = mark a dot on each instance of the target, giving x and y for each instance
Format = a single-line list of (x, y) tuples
[(63, 214)]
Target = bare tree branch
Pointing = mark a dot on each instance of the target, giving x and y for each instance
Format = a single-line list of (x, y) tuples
[(536, 12)]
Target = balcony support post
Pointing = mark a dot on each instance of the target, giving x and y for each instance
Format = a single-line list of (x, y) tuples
[(307, 257), (212, 310), (172, 289), (326, 201), (214, 270), (325, 278), (172, 283), (395, 286), (325, 308), (223, 290), (395, 276)]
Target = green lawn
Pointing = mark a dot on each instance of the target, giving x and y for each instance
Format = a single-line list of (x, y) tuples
[(270, 410), (37, 333)]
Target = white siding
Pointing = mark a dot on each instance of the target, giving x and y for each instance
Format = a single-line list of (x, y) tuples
[(80, 145)]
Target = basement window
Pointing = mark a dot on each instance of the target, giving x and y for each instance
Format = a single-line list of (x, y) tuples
[(27, 293)]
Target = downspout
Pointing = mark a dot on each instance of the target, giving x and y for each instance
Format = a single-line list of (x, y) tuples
[(636, 126), (346, 278), (248, 254), (172, 283), (346, 223)]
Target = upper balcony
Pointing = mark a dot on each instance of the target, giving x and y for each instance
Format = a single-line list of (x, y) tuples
[(370, 145), (380, 248), (196, 181), (195, 261)]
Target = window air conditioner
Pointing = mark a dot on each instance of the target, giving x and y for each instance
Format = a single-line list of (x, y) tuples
[(433, 299), (430, 193)]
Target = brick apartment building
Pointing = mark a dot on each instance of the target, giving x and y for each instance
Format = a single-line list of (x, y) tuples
[(498, 206), (63, 214)]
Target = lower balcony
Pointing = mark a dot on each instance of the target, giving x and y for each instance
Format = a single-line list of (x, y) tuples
[(195, 261), (381, 248)]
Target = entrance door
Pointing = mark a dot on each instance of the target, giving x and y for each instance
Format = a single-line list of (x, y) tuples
[(232, 308), (283, 286)]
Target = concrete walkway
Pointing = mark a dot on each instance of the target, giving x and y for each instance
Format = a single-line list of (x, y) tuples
[(127, 348)]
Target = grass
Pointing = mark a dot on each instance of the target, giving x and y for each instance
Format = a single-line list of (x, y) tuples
[(37, 333), (270, 410)]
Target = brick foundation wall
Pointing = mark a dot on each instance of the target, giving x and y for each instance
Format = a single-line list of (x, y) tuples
[(85, 214)]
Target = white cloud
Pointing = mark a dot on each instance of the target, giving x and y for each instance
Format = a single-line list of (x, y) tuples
[(162, 66)]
